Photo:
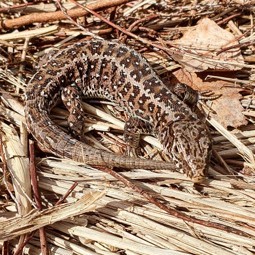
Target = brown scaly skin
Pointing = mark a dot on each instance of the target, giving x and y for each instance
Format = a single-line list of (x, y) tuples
[(103, 69)]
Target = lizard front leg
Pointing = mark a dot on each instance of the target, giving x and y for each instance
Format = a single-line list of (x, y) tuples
[(133, 130)]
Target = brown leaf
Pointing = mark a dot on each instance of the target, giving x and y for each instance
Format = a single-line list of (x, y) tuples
[(203, 48), (228, 109)]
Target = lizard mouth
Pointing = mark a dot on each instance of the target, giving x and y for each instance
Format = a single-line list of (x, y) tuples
[(198, 179)]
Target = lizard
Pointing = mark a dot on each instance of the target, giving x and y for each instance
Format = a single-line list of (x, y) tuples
[(98, 68)]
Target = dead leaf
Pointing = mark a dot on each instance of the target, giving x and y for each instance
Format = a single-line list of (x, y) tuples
[(228, 109), (203, 46)]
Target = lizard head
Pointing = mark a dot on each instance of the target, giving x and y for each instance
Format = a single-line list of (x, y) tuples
[(190, 148)]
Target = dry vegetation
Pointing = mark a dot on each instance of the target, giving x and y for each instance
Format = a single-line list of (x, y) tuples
[(76, 209)]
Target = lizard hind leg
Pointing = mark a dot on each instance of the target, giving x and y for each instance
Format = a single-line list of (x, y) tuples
[(133, 130), (71, 97)]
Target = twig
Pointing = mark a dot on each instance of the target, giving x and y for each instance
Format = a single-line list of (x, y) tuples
[(167, 209), (43, 242), (135, 24), (62, 8), (21, 246), (5, 248), (67, 193), (58, 15)]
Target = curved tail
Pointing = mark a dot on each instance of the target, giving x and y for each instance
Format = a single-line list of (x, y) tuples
[(52, 139)]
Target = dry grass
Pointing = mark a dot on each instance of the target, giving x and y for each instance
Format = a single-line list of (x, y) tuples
[(101, 215)]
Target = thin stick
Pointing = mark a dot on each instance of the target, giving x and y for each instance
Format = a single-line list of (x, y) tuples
[(43, 241), (167, 209), (67, 193), (21, 246), (58, 15)]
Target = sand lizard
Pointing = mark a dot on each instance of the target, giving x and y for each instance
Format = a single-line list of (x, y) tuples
[(103, 69)]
